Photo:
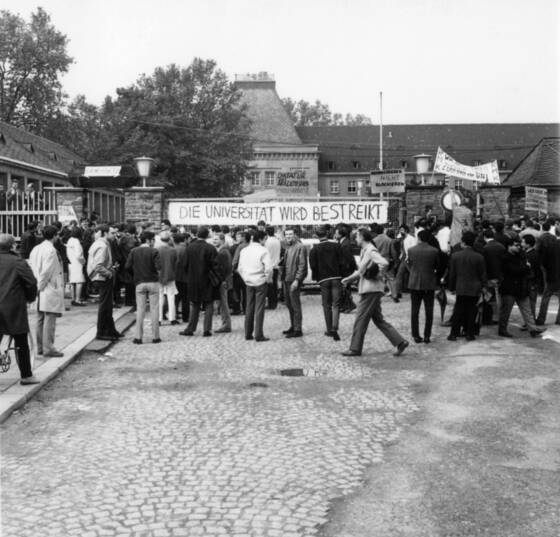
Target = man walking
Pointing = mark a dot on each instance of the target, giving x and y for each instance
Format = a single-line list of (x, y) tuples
[(370, 289), (326, 262), (144, 262), (167, 287), (18, 287), (47, 269), (348, 267), (255, 267), (493, 253), (295, 271)]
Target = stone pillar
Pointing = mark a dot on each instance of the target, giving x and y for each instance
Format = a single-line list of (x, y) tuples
[(143, 204), (417, 197), (70, 198)]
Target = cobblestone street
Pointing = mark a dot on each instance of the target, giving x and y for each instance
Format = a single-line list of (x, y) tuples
[(204, 436)]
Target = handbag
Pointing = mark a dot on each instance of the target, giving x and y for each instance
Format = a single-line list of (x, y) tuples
[(372, 271)]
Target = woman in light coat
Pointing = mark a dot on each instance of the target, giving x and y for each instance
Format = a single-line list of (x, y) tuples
[(76, 259)]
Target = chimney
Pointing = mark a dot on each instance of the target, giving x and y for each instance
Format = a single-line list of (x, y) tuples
[(422, 163)]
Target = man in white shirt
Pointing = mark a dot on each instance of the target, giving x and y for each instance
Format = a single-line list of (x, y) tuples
[(274, 248), (255, 268)]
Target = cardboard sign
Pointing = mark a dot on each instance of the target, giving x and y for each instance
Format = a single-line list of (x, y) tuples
[(383, 181), (66, 214), (193, 213), (486, 173), (536, 199)]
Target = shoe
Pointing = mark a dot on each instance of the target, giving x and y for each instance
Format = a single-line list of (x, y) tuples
[(54, 354), (351, 353), (335, 335), (400, 348), (539, 322), (119, 335), (451, 338), (295, 333), (107, 338), (504, 334), (418, 340), (157, 340), (471, 338), (249, 338), (206, 334), (259, 339), (329, 334), (222, 330), (446, 324), (289, 331), (137, 341), (186, 333), (76, 303), (535, 333), (426, 340), (30, 380), (173, 323)]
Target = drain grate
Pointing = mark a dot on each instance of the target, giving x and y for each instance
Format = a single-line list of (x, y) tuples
[(293, 372)]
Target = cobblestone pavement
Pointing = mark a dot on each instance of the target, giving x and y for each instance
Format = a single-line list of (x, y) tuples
[(202, 436)]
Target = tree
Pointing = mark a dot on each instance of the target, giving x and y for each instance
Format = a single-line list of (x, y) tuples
[(317, 114), (189, 119), (32, 58)]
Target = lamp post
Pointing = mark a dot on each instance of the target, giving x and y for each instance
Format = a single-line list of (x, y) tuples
[(143, 167)]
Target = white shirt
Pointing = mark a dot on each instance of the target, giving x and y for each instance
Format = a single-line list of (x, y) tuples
[(255, 266), (274, 248), (442, 237), (408, 242)]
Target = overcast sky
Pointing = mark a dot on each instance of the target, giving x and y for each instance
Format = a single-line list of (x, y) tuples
[(436, 61)]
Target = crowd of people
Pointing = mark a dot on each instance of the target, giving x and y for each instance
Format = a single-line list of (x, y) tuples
[(175, 275)]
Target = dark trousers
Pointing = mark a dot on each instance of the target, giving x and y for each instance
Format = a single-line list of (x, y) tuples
[(272, 291), (254, 314), (195, 312), (464, 315), (506, 306), (23, 354), (182, 298), (547, 295), (533, 294), (117, 287), (331, 292), (346, 302), (369, 309), (239, 297), (105, 322), (416, 298), (129, 294), (293, 303)]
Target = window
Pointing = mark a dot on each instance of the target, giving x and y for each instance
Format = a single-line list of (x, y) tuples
[(255, 179), (269, 179), (476, 162), (331, 165), (503, 164), (335, 187), (404, 164), (356, 164), (351, 187)]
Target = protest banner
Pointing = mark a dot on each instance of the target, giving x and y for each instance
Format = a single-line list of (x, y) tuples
[(486, 173), (536, 199), (194, 213), (384, 181), (66, 214)]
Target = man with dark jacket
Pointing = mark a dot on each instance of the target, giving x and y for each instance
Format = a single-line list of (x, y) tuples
[(225, 272), (423, 262), (182, 298), (18, 287), (467, 277), (528, 244), (201, 281), (28, 240), (493, 253), (548, 250), (348, 267), (325, 260)]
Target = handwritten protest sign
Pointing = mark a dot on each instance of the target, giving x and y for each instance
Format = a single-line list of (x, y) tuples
[(383, 181), (536, 199), (486, 173), (66, 214), (193, 213)]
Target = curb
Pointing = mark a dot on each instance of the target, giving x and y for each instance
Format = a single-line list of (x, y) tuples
[(18, 395)]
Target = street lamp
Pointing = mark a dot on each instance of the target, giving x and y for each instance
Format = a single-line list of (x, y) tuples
[(143, 167)]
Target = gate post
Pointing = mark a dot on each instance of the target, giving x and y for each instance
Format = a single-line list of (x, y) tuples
[(143, 204)]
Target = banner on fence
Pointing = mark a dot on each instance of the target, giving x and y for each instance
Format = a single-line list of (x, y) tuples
[(383, 181), (486, 173), (536, 199), (193, 213), (66, 214)]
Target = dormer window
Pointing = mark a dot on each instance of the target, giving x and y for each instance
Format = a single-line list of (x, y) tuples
[(331, 165), (52, 156), (29, 147), (476, 162), (503, 164), (356, 164), (2, 139), (404, 164)]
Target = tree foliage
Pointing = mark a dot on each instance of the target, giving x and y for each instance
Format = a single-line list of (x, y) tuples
[(318, 114), (32, 58)]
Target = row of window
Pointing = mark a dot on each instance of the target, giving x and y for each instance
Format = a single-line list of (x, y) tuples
[(357, 165), (255, 179), (351, 187)]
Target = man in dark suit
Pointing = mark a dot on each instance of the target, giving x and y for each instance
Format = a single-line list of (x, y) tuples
[(467, 277), (548, 251), (493, 253), (200, 262), (349, 266), (423, 262)]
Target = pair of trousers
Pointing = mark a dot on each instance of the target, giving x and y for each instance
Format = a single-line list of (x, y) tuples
[(147, 292), (331, 293), (254, 315), (272, 291), (524, 305), (195, 312), (21, 344), (533, 294), (495, 286), (547, 295), (401, 279), (167, 290), (182, 298), (369, 309), (105, 322), (464, 315), (293, 303), (346, 301), (46, 328), (224, 307), (239, 297), (416, 299), (129, 294)]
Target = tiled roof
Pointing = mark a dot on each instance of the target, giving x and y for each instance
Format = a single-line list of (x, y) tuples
[(541, 167), (20, 145), (271, 124), (342, 146)]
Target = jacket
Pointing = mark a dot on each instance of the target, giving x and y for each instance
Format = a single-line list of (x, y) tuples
[(181, 267), (168, 259), (100, 261), (467, 272), (348, 261), (295, 262), (255, 265), (143, 263), (18, 286), (200, 260), (516, 273), (224, 266), (326, 261), (47, 269), (369, 255), (423, 261), (493, 256)]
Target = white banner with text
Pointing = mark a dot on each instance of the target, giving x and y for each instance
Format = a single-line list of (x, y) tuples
[(486, 173), (193, 213), (536, 199), (387, 181)]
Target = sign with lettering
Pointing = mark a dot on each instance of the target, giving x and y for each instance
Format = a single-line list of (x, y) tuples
[(486, 173), (66, 214), (536, 199), (382, 181), (193, 213), (102, 171)]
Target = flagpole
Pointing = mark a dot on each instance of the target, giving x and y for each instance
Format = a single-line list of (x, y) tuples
[(380, 137)]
